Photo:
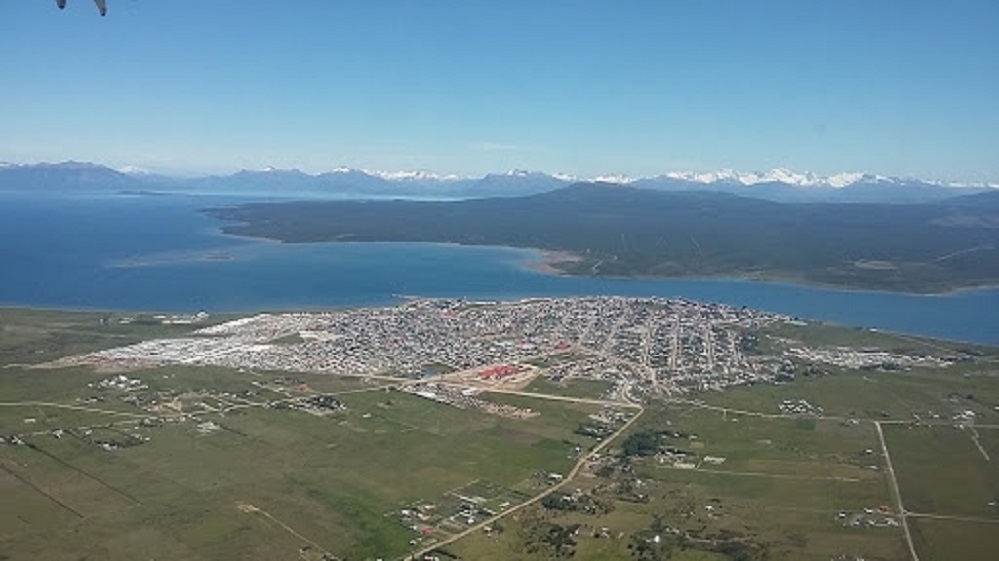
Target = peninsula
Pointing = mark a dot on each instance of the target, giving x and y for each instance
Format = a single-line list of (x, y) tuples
[(618, 231)]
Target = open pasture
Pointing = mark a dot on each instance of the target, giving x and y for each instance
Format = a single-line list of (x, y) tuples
[(261, 482)]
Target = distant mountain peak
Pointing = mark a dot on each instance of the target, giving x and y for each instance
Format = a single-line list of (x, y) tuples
[(271, 170), (614, 178), (412, 175), (776, 175), (843, 179), (779, 184), (804, 179)]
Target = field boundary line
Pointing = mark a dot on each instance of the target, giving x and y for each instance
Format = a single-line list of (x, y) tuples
[(974, 438), (954, 517), (898, 494), (252, 509), (39, 490), (765, 474), (82, 472), (73, 407)]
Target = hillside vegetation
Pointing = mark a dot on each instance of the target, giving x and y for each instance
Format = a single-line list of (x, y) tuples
[(627, 232)]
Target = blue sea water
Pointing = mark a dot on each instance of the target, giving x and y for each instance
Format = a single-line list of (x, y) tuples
[(159, 253)]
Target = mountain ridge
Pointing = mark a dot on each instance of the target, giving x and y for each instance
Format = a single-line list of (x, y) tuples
[(779, 185)]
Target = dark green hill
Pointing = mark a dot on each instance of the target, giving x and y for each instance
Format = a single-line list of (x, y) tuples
[(623, 231)]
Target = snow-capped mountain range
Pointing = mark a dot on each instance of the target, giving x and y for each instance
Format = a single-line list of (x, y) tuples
[(779, 185), (776, 175)]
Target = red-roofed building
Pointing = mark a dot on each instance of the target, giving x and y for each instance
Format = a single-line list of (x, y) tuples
[(501, 371)]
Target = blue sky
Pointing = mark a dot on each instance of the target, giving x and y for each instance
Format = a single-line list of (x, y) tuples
[(898, 87)]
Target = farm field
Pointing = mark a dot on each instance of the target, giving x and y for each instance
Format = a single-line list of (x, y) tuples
[(942, 472), (207, 462), (954, 539), (745, 488), (333, 479)]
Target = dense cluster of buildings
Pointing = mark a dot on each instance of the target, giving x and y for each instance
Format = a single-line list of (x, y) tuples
[(866, 359), (642, 345)]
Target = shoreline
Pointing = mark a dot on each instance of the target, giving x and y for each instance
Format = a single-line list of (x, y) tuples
[(399, 299), (546, 262), (549, 259)]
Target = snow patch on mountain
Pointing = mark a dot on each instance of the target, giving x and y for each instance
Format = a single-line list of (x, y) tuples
[(721, 177), (805, 184), (413, 175), (777, 175), (843, 179), (132, 170), (614, 178)]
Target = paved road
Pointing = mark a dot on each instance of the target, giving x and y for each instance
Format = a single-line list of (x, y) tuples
[(565, 481)]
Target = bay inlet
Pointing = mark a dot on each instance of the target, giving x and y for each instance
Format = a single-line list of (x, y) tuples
[(122, 252)]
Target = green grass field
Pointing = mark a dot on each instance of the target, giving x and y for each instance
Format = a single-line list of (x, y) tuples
[(780, 490), (950, 539), (31, 336), (263, 482), (941, 471), (591, 389), (880, 395), (332, 479)]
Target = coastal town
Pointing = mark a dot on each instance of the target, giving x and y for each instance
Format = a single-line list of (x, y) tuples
[(639, 347), (555, 383)]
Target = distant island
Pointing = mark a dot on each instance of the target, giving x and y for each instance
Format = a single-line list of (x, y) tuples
[(616, 231)]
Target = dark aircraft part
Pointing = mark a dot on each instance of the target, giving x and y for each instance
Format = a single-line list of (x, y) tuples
[(101, 6)]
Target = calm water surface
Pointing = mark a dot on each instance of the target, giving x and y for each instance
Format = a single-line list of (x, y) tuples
[(159, 253)]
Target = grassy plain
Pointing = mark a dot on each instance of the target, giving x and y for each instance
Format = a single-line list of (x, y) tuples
[(972, 383), (31, 336), (333, 479), (252, 483), (779, 492), (800, 486), (590, 389), (273, 483), (954, 539), (941, 471)]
